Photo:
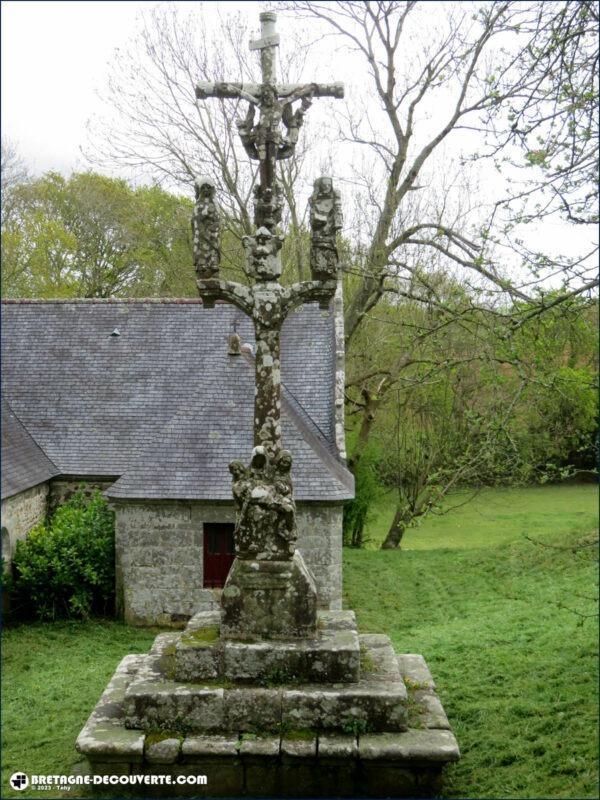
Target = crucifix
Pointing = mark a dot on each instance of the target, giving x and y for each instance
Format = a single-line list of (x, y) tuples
[(267, 302), (269, 593)]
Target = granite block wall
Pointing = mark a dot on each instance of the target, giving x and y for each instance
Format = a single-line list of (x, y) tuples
[(20, 513), (159, 556)]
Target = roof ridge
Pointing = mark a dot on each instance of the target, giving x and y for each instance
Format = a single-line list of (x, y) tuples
[(26, 301)]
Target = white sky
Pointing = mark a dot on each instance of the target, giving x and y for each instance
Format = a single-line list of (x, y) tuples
[(55, 57)]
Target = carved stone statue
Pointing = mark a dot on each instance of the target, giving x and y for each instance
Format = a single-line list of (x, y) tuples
[(255, 137), (325, 222), (206, 228), (265, 526), (262, 254), (268, 206), (293, 122)]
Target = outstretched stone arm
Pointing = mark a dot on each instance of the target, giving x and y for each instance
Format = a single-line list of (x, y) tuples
[(290, 92), (321, 292), (244, 91), (252, 91), (238, 294)]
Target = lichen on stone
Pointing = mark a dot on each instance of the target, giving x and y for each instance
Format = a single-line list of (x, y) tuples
[(202, 637)]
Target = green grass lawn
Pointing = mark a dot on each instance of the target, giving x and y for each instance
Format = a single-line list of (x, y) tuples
[(493, 517), (516, 673)]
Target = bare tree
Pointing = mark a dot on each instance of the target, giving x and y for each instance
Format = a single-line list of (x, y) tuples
[(156, 127), (465, 57)]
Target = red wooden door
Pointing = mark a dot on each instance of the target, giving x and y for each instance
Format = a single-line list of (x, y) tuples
[(219, 553)]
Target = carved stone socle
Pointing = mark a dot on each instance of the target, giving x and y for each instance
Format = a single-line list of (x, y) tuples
[(269, 600), (325, 223), (206, 228)]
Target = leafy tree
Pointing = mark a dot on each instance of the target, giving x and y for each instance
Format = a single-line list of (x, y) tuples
[(13, 173), (94, 236)]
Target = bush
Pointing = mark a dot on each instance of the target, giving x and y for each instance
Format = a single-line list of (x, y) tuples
[(367, 490), (66, 568)]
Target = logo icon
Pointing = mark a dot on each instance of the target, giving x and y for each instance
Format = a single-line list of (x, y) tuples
[(19, 781)]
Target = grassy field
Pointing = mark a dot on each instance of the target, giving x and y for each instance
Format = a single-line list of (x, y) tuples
[(516, 672)]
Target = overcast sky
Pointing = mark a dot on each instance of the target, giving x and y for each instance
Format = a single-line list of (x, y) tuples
[(55, 56)]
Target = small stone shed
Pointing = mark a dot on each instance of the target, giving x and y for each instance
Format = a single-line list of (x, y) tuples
[(143, 399)]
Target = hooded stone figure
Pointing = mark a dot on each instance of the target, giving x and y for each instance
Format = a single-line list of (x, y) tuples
[(325, 222), (206, 228)]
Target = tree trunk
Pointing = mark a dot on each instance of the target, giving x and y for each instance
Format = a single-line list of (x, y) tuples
[(397, 529)]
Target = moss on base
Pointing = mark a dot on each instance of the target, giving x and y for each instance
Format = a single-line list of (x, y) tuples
[(201, 637)]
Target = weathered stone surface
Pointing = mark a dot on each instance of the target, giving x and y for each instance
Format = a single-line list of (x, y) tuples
[(206, 229), (377, 659), (414, 668), (352, 708), (165, 751), (295, 747), (265, 526), (337, 746), (197, 655), (253, 709), (325, 222), (263, 745), (104, 737), (411, 745), (337, 620), (333, 654), (174, 706), (19, 514), (431, 713), (303, 762), (269, 599), (196, 748), (204, 619)]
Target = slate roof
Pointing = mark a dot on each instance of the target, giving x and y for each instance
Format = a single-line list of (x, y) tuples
[(24, 464), (161, 404)]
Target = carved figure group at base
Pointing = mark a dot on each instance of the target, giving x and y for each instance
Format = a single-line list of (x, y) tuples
[(265, 526)]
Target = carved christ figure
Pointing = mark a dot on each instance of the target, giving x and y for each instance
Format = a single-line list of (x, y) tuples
[(254, 137), (206, 229)]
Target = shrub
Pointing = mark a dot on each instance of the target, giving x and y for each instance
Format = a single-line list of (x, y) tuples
[(65, 568), (367, 490)]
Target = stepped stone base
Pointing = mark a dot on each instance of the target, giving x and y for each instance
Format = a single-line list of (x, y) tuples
[(331, 654), (300, 762)]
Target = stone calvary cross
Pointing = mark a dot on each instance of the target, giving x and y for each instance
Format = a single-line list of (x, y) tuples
[(269, 592), (267, 302)]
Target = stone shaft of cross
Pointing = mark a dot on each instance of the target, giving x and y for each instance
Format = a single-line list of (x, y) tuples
[(267, 302)]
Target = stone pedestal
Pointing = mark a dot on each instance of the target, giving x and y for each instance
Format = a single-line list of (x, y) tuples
[(279, 760), (269, 600)]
